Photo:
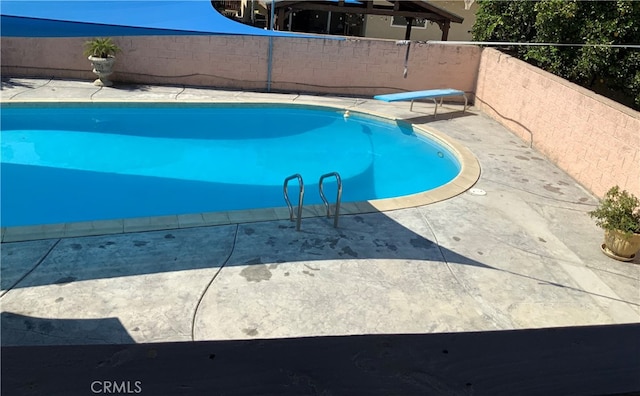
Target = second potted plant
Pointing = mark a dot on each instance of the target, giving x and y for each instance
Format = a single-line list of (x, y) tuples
[(619, 215), (101, 53)]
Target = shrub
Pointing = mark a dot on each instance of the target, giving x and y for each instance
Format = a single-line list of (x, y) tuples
[(100, 48), (619, 210)]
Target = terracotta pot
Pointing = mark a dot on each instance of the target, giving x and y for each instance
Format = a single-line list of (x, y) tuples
[(103, 68), (621, 246)]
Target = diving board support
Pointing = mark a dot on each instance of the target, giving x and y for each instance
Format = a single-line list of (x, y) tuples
[(338, 196), (300, 198), (435, 102)]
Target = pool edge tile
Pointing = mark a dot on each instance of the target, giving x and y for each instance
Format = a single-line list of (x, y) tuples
[(443, 193), (365, 207), (413, 201), (191, 220), (156, 223), (92, 228), (252, 215), (215, 218), (30, 233), (282, 213), (347, 208), (310, 211), (386, 204)]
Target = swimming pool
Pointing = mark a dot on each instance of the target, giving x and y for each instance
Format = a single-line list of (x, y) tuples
[(65, 163)]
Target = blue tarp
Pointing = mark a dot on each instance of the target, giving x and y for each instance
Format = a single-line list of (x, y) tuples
[(120, 18)]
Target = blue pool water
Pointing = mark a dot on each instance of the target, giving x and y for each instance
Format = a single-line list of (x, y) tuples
[(94, 162)]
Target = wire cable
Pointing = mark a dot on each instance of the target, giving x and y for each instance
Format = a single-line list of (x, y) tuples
[(206, 289), (509, 43)]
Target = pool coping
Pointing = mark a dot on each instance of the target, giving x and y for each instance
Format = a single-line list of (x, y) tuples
[(469, 174)]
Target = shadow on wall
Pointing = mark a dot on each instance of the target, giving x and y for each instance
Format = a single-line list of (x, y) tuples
[(593, 360)]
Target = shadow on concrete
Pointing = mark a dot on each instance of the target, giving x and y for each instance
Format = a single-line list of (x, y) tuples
[(366, 236), (594, 360), (425, 115), (135, 88), (21, 329), (7, 83)]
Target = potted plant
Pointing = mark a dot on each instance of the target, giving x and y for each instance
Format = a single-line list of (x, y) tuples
[(619, 215), (101, 53)]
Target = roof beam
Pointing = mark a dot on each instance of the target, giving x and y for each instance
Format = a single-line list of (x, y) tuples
[(359, 10)]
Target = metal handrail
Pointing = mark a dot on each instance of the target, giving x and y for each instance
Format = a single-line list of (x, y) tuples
[(300, 198), (338, 197)]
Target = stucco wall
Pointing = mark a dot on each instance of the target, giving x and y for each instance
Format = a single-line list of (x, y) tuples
[(234, 62), (595, 140), (354, 66), (368, 67)]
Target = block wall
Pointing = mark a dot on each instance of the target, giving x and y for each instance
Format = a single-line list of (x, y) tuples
[(592, 138), (351, 67)]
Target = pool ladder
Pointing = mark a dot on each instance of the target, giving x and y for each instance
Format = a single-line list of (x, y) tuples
[(338, 196), (301, 197)]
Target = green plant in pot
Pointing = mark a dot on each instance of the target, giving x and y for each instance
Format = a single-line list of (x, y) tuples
[(101, 53), (619, 215)]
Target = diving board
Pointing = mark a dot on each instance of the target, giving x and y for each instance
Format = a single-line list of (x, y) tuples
[(432, 94)]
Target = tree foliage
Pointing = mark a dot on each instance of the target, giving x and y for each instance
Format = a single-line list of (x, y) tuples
[(614, 72)]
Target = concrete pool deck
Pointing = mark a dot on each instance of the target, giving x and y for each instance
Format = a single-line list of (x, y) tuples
[(525, 255)]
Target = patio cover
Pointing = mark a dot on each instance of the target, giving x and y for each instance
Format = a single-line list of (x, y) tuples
[(120, 18)]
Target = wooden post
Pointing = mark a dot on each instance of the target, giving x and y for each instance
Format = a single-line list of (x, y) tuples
[(407, 34), (280, 19), (444, 26)]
